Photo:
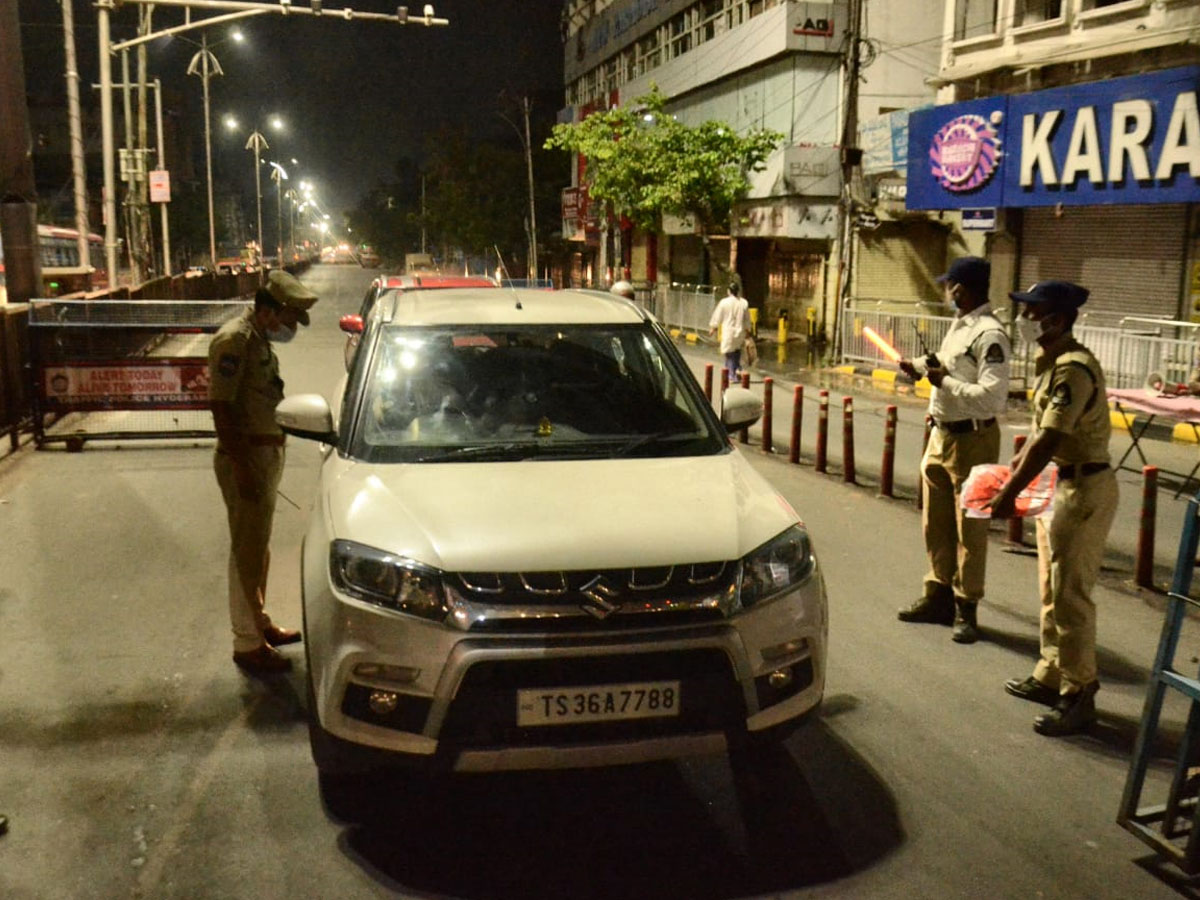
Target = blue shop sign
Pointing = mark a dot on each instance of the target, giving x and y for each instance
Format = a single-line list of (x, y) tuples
[(1125, 140)]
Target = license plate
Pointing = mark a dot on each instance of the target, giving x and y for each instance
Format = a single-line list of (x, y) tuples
[(601, 703)]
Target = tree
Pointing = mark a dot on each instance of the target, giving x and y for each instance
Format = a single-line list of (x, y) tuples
[(641, 162)]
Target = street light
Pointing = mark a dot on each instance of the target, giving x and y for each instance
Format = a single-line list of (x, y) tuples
[(257, 143), (279, 176), (205, 64)]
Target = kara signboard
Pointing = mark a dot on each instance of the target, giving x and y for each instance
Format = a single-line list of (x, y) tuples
[(1125, 140)]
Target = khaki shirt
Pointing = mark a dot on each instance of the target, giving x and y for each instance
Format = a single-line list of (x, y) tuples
[(1070, 397), (244, 371), (976, 355)]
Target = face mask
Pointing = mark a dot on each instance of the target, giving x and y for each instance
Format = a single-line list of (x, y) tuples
[(1031, 331), (280, 335)]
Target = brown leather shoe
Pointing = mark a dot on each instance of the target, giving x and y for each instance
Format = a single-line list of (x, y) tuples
[(277, 637), (266, 660)]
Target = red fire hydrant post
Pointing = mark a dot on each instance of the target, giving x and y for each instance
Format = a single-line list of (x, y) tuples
[(848, 440), (768, 443), (887, 467), (1016, 525), (744, 437), (797, 412), (708, 381), (1144, 570), (921, 469), (822, 431)]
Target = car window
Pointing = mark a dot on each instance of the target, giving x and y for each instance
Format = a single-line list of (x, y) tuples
[(543, 392)]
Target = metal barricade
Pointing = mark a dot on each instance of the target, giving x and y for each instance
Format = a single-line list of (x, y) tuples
[(122, 368), (688, 307), (912, 334)]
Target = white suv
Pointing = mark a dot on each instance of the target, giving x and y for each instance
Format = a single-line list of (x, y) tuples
[(534, 545)]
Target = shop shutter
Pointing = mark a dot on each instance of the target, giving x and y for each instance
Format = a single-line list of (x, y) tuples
[(1131, 258), (898, 262)]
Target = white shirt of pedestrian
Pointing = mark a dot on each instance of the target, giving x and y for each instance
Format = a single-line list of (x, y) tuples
[(733, 316), (976, 355)]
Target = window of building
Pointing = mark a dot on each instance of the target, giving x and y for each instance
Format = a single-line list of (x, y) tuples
[(1034, 12), (681, 33), (974, 19), (710, 14), (649, 53), (1101, 4), (610, 75)]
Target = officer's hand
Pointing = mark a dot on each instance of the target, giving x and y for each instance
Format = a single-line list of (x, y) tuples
[(1003, 506), (936, 375), (907, 367)]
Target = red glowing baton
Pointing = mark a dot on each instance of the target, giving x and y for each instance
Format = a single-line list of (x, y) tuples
[(884, 347)]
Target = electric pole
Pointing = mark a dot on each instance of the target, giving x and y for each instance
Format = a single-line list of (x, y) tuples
[(18, 208), (851, 157), (533, 254)]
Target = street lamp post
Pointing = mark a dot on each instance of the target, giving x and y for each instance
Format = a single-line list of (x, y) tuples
[(207, 67), (258, 144), (279, 176)]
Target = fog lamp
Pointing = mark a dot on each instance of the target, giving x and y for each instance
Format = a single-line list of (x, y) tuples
[(780, 678), (383, 672), (383, 703)]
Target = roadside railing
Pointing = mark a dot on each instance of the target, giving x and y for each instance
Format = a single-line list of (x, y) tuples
[(688, 307), (1128, 350)]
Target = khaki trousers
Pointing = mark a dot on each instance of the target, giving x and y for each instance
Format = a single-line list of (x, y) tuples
[(956, 545), (250, 540), (1070, 550)]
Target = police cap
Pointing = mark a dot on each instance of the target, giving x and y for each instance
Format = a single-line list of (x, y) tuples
[(972, 272), (1059, 294), (287, 290)]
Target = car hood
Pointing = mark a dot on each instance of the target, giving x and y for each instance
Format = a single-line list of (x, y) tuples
[(548, 515)]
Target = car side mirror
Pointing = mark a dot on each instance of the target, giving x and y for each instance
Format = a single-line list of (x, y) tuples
[(740, 408), (351, 323), (306, 416)]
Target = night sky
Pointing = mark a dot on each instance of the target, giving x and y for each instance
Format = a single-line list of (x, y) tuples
[(356, 95)]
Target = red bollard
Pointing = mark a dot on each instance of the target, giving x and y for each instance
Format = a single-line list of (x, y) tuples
[(797, 412), (822, 431), (848, 440), (888, 467), (768, 445), (708, 370), (921, 472), (1016, 525), (1144, 571), (744, 437), (724, 379)]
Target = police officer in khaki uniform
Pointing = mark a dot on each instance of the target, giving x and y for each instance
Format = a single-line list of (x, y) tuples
[(244, 389), (969, 390), (1071, 428)]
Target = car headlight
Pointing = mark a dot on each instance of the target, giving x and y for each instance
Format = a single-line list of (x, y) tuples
[(779, 564), (388, 580)]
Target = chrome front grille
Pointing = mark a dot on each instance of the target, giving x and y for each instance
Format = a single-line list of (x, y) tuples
[(591, 599)]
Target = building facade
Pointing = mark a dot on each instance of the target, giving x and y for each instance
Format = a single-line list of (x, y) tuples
[(1069, 131), (750, 64)]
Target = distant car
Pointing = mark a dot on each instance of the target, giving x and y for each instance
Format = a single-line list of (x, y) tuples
[(195, 271), (368, 258), (424, 281), (533, 545), (231, 265)]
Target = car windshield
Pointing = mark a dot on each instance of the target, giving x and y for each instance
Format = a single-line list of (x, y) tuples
[(467, 393)]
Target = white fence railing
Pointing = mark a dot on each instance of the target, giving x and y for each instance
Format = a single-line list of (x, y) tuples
[(685, 306), (1128, 351)]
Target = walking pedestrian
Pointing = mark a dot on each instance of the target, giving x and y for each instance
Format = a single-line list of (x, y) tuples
[(1071, 428), (244, 389), (969, 389), (732, 316)]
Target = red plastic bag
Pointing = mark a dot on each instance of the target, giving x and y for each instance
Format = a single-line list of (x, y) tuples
[(985, 482)]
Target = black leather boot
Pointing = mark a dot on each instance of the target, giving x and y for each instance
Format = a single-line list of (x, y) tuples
[(928, 609), (966, 630), (1072, 713)]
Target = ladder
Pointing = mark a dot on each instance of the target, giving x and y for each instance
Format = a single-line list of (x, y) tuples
[(1172, 828)]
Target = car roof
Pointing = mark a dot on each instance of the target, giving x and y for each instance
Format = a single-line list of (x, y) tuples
[(515, 306)]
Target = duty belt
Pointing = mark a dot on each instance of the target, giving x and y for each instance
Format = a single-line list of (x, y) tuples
[(1072, 470), (964, 425)]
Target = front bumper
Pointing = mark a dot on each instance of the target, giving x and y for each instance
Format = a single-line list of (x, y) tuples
[(456, 704)]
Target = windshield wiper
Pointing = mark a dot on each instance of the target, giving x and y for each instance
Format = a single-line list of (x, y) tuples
[(641, 440), (515, 450)]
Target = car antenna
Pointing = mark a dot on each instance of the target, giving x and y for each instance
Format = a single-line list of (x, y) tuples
[(504, 272)]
